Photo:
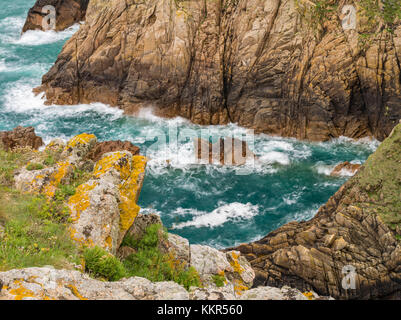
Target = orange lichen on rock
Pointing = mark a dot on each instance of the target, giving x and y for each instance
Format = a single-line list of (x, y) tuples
[(79, 202), (129, 193), (75, 292), (62, 171), (83, 138), (235, 263)]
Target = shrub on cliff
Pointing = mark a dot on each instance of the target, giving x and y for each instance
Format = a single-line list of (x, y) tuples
[(102, 264), (151, 263)]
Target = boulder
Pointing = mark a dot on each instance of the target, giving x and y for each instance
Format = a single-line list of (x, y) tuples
[(105, 207), (231, 266), (68, 12), (20, 137), (345, 169)]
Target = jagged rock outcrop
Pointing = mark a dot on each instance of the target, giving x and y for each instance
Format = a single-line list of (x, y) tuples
[(257, 63), (356, 233), (20, 137), (104, 207), (68, 12), (111, 146)]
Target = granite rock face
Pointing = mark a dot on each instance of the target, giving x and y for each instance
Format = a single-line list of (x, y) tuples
[(68, 12), (257, 63), (351, 248)]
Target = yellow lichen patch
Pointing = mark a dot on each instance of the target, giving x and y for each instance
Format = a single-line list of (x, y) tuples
[(235, 264), (21, 292), (63, 168), (309, 295), (129, 193), (79, 202), (75, 292), (116, 160), (83, 138), (109, 242), (239, 287)]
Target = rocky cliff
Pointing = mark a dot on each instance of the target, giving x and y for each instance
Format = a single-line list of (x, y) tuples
[(358, 228), (68, 12), (264, 64)]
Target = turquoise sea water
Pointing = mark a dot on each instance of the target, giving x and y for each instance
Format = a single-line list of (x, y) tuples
[(207, 204)]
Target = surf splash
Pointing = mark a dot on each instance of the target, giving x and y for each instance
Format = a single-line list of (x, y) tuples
[(208, 204)]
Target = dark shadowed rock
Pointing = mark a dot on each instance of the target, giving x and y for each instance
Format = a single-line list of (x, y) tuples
[(20, 137), (111, 146), (68, 12)]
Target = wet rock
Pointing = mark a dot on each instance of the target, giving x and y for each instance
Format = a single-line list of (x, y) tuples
[(111, 146), (20, 137), (68, 12), (345, 169)]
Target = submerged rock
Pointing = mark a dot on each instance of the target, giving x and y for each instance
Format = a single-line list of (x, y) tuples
[(255, 63), (68, 12), (351, 248), (20, 137), (345, 168)]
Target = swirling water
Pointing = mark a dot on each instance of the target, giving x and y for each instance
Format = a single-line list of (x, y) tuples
[(207, 204)]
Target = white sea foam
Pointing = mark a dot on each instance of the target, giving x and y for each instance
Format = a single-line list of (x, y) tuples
[(324, 169), (20, 99), (232, 212), (38, 37), (275, 157)]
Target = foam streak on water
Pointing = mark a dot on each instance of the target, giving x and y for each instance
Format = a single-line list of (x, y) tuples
[(208, 204)]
